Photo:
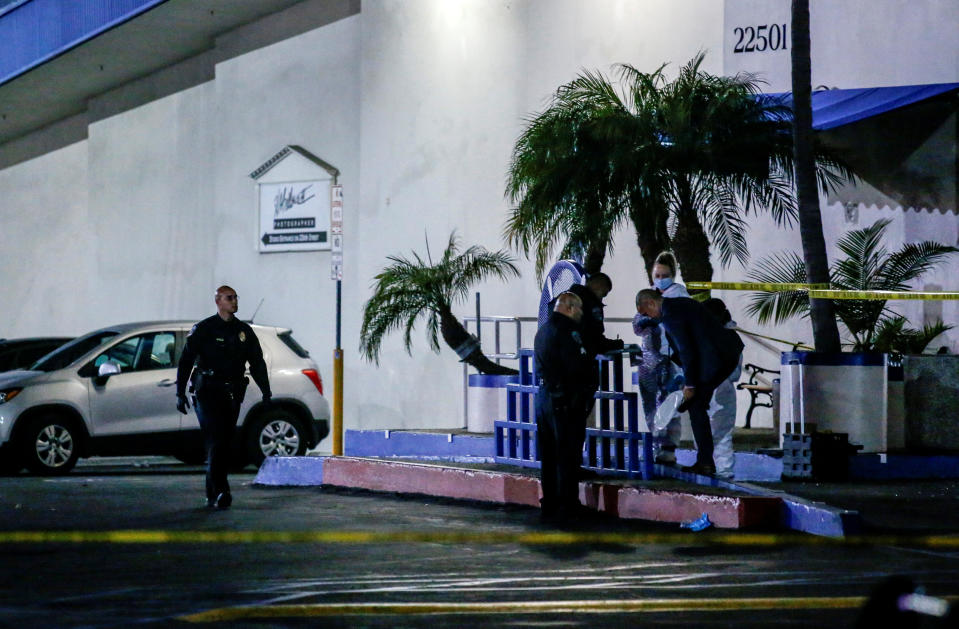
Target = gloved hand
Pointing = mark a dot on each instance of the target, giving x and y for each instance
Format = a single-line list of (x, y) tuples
[(642, 322), (688, 394), (181, 404)]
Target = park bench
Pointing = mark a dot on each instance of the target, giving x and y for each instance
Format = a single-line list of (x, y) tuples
[(760, 389)]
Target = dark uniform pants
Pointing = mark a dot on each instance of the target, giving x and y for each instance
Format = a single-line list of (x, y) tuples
[(218, 409), (560, 432), (699, 421)]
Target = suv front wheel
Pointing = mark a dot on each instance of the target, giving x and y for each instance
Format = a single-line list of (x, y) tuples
[(276, 432), (50, 445)]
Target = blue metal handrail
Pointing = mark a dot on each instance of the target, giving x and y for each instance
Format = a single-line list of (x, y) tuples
[(620, 445)]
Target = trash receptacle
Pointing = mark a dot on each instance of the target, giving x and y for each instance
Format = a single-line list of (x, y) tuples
[(487, 401)]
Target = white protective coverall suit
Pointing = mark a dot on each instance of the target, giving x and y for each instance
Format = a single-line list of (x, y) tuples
[(658, 377), (722, 420)]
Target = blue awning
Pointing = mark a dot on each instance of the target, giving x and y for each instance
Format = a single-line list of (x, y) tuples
[(834, 108)]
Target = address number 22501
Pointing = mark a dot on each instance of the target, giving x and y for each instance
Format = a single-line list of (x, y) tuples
[(760, 38)]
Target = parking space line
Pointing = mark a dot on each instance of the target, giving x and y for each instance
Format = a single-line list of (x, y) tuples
[(550, 538)]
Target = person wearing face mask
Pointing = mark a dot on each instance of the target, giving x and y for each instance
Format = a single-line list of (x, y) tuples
[(659, 376)]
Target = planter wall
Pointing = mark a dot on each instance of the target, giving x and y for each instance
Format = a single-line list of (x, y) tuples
[(487, 401), (931, 400), (843, 393)]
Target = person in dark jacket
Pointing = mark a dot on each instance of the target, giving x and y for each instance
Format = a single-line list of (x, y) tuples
[(597, 286), (708, 352), (221, 346), (562, 368), (593, 327)]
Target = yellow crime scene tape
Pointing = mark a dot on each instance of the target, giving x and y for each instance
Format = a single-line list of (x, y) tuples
[(766, 286), (883, 295), (544, 538), (249, 612), (822, 291)]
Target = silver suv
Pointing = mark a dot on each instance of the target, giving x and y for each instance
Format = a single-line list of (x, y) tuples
[(112, 393)]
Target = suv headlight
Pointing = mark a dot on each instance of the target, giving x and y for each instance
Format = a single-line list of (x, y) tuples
[(8, 394)]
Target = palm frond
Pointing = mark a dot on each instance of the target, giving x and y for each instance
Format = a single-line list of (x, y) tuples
[(864, 256), (409, 288), (866, 266), (892, 335), (910, 262), (603, 152), (778, 306), (722, 218)]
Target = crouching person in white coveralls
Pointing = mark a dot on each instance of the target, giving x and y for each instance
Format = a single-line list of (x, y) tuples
[(722, 408)]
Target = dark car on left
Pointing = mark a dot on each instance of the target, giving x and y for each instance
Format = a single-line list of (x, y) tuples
[(21, 353)]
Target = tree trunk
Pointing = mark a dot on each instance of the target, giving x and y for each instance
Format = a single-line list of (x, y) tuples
[(690, 243), (595, 256), (466, 347), (824, 328), (650, 246)]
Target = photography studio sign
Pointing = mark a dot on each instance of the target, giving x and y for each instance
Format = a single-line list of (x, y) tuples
[(294, 216)]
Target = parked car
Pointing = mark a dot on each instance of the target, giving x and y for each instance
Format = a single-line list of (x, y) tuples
[(21, 353), (112, 393)]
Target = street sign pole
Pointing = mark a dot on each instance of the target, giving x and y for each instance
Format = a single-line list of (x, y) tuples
[(336, 273)]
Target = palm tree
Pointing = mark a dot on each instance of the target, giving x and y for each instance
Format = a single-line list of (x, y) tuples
[(409, 288), (825, 332), (684, 160), (560, 178), (867, 266)]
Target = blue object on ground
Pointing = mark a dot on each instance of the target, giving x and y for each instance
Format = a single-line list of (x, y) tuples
[(697, 525)]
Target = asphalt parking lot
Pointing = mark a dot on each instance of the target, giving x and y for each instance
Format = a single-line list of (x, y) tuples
[(175, 563)]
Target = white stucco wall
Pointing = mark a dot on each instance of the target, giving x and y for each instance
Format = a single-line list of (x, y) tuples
[(446, 87), (418, 105), (853, 43), (300, 91), (150, 204), (441, 85), (47, 240)]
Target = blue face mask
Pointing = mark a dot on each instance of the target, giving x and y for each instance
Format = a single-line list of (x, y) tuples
[(662, 283)]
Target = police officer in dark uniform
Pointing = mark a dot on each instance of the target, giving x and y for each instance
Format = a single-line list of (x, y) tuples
[(597, 286), (563, 368), (221, 346)]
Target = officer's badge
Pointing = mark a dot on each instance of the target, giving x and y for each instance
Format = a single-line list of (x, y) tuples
[(579, 341), (242, 336)]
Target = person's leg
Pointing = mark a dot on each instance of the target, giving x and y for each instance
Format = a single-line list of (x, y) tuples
[(219, 452), (546, 452), (670, 437), (647, 392), (699, 420), (206, 413), (722, 422), (570, 435), (227, 428), (670, 380)]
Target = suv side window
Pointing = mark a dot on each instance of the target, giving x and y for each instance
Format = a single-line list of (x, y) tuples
[(141, 353)]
